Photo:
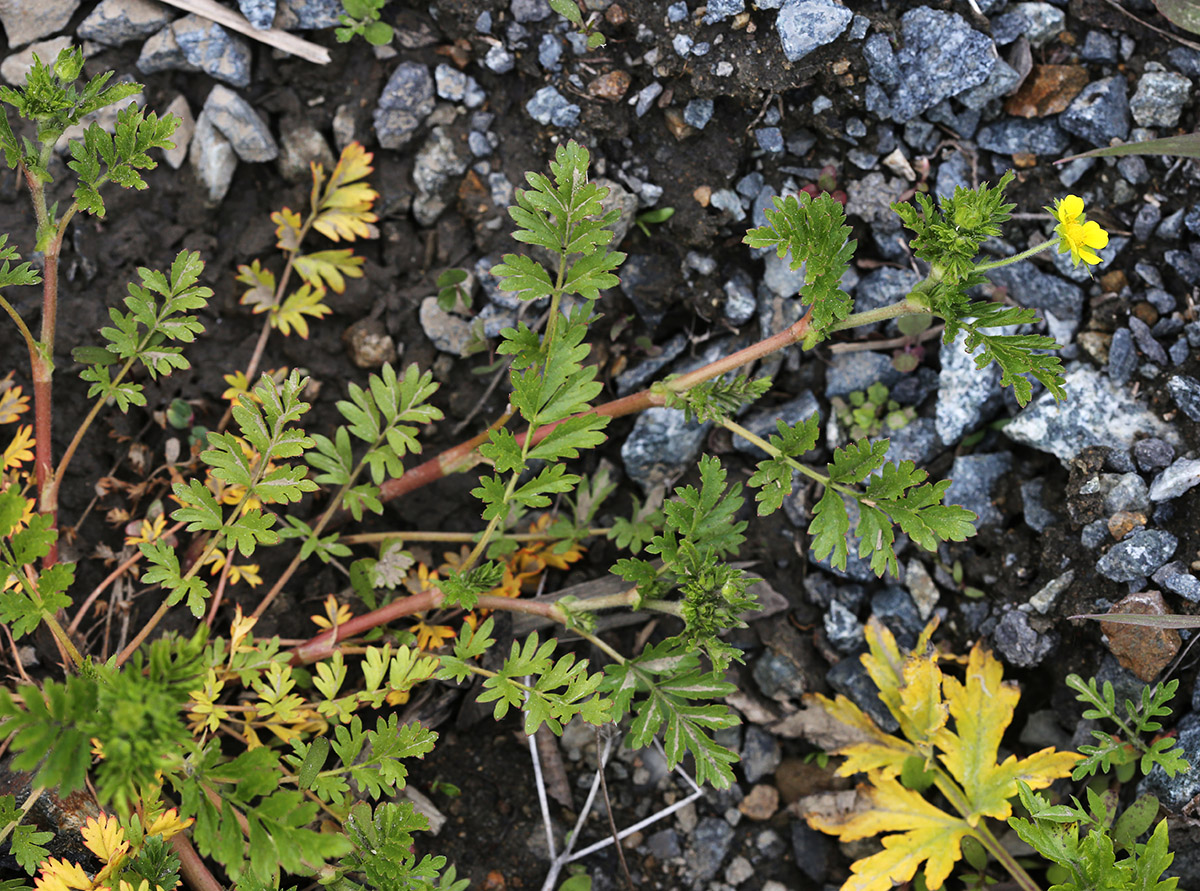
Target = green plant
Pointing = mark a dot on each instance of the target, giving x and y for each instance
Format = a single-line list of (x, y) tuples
[(237, 732), (569, 10), (361, 19), (867, 414), (451, 293), (647, 218)]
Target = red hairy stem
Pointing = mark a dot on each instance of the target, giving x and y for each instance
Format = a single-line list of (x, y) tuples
[(466, 455)]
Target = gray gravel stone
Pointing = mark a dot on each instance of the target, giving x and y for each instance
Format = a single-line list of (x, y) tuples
[(661, 446), (1122, 357), (762, 421), (698, 112), (27, 20), (238, 122), (1019, 643), (857, 371), (719, 10), (1186, 393), (894, 607), (530, 10), (1150, 347), (449, 333), (499, 60), (1138, 555), (770, 140), (940, 56), (213, 160), (740, 302), (916, 441), (161, 52), (1175, 578), (812, 852), (805, 25), (115, 22), (259, 13), (760, 754), (1037, 515), (549, 106), (1160, 98), (1099, 412), (967, 395), (1176, 479), (973, 477), (210, 48), (710, 845), (850, 678), (406, 100), (842, 627), (1012, 135), (1000, 82), (1129, 493), (1175, 793), (1153, 453), (1045, 22), (1099, 47), (882, 286), (437, 163), (308, 15), (1100, 112), (457, 86), (1147, 218)]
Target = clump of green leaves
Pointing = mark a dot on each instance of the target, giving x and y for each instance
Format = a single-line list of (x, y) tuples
[(451, 293), (948, 237), (1135, 722), (361, 19), (569, 10), (868, 413)]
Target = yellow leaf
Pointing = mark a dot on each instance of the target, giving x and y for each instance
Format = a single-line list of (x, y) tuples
[(59, 875), (288, 227), (262, 286), (982, 710), (877, 750), (921, 698), (329, 267), (307, 301), (20, 449), (12, 403), (335, 614), (923, 833), (344, 207), (105, 838), (239, 628)]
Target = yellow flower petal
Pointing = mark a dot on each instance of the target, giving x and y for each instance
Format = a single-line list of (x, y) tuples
[(1070, 208), (1093, 235)]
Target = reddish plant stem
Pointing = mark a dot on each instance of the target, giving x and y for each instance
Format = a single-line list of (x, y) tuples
[(466, 454), (191, 867), (323, 645)]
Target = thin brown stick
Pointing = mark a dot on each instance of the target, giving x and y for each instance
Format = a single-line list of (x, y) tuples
[(612, 823)]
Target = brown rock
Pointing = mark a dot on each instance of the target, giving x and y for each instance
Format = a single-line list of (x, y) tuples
[(796, 778), (616, 15), (761, 803), (1123, 521), (1048, 90), (369, 344), (1095, 344), (702, 194), (1146, 312), (1113, 280), (1144, 651), (675, 123), (611, 86)]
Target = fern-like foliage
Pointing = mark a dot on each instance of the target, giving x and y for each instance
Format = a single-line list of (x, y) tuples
[(666, 689), (26, 844), (267, 425), (1138, 720), (814, 232), (26, 602), (948, 237), (159, 315)]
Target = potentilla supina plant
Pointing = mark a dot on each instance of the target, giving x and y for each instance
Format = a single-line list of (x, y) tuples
[(1075, 234)]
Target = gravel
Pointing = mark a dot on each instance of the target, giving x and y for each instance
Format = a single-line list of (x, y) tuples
[(1137, 556), (805, 25), (1100, 113)]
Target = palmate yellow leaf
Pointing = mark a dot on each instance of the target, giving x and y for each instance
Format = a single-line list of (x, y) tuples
[(876, 750), (262, 286), (59, 875), (19, 449), (307, 301), (982, 709), (12, 403), (350, 221), (924, 833), (168, 825), (893, 673), (329, 267), (288, 227), (354, 164)]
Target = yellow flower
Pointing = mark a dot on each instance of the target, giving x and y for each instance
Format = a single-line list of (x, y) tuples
[(1076, 233), (150, 531), (19, 449), (335, 614)]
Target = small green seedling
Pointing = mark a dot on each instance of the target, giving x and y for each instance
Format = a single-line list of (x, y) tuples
[(361, 19)]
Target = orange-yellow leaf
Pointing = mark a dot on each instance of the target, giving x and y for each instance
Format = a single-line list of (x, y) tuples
[(59, 875), (923, 833), (104, 837), (349, 221), (354, 164), (982, 709), (329, 267), (168, 824), (12, 404), (19, 449), (307, 301)]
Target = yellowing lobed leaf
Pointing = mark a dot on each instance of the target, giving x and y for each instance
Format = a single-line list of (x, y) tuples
[(307, 301), (105, 838), (924, 833), (12, 403), (288, 229), (330, 267), (19, 449), (344, 210), (955, 727), (982, 710)]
